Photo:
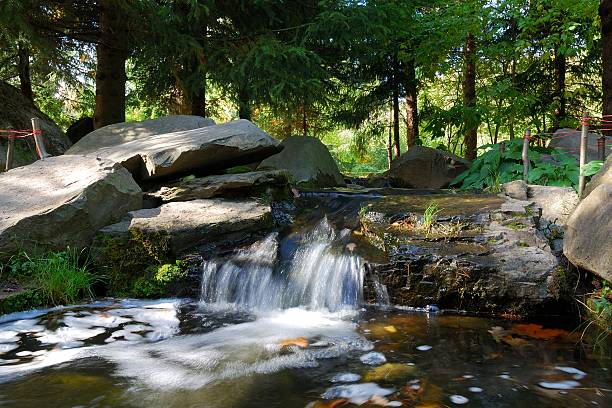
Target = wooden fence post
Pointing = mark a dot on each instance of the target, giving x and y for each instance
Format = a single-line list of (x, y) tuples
[(38, 138), (601, 148), (10, 147), (584, 141), (502, 148), (525, 155)]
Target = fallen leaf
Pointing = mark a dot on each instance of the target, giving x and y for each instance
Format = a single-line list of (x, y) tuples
[(299, 341), (391, 329), (536, 331)]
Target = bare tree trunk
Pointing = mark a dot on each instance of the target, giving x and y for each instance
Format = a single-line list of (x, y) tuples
[(605, 12), (469, 96), (412, 114), (25, 81), (110, 73), (560, 69), (396, 135), (390, 140)]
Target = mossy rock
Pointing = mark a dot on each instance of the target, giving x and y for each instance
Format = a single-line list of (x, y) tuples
[(24, 300)]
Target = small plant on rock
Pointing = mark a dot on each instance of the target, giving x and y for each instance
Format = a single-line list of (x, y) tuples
[(430, 216)]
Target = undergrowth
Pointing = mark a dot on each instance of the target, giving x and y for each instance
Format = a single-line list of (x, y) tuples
[(56, 277)]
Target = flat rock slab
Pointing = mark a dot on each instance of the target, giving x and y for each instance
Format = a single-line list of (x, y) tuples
[(568, 141), (179, 226), (222, 185), (62, 201), (119, 133), (202, 150)]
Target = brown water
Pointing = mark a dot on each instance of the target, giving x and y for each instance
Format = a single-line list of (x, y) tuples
[(177, 353)]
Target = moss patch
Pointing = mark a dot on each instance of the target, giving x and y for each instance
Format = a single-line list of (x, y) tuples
[(158, 280), (17, 302)]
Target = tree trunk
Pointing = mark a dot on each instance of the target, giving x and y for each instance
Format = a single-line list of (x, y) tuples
[(560, 69), (396, 134), (390, 140), (412, 114), (469, 97), (25, 82), (605, 12), (244, 105), (110, 73)]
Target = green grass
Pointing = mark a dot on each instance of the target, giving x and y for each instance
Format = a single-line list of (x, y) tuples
[(430, 216), (57, 277)]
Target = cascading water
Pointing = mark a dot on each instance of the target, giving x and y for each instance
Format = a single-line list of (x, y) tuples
[(323, 273)]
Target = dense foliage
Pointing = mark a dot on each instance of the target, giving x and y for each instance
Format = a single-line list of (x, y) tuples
[(547, 167), (370, 78)]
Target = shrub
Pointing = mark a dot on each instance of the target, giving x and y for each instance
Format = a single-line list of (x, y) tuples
[(492, 168)]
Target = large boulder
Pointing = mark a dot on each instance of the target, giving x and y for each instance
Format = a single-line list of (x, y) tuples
[(119, 133), (17, 113), (568, 141), (203, 150), (424, 167), (603, 176), (308, 162), (274, 182), (588, 235), (62, 201)]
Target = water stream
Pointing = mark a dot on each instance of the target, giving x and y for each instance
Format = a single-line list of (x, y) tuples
[(281, 324)]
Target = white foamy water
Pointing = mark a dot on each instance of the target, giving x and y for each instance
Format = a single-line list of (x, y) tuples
[(302, 309), (323, 274)]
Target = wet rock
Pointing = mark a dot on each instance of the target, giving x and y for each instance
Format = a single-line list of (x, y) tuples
[(308, 162), (588, 236), (203, 150), (274, 183), (482, 253), (62, 201), (390, 372), (424, 167), (93, 140), (357, 393)]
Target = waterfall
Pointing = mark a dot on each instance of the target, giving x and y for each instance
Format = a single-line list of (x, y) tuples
[(323, 273)]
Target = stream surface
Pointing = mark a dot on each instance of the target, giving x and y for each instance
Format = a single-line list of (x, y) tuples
[(282, 324)]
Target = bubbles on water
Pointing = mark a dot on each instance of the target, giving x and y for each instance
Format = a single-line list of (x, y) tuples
[(424, 348), (475, 389), (373, 358), (559, 385), (578, 374), (345, 377), (459, 399)]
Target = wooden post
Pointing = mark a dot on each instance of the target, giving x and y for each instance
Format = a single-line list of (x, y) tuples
[(502, 148), (38, 138), (601, 148), (525, 155), (584, 141), (10, 147)]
